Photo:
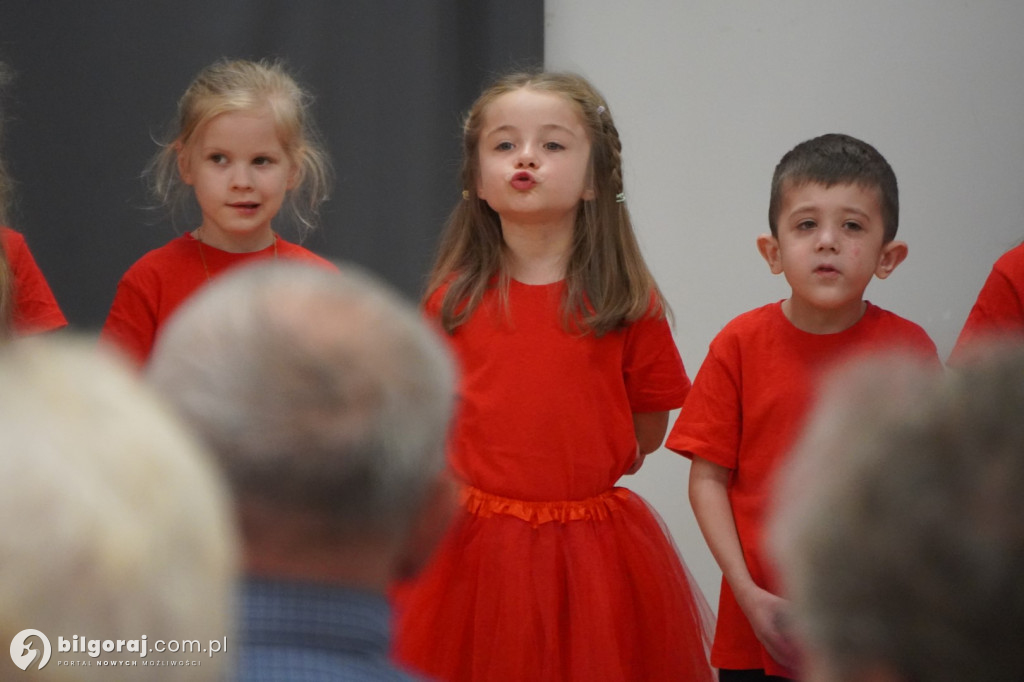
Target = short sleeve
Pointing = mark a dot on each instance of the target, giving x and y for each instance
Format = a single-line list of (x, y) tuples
[(35, 307), (710, 422), (998, 310), (132, 322), (652, 369)]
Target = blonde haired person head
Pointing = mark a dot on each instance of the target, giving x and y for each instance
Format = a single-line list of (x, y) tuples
[(117, 527), (247, 87)]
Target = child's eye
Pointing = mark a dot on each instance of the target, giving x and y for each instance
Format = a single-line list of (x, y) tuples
[(851, 225), (553, 146), (218, 158), (503, 146), (262, 161), (806, 225)]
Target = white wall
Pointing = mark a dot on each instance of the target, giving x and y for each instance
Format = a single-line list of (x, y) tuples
[(709, 94)]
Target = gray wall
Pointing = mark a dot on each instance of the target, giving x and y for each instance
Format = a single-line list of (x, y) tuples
[(708, 95)]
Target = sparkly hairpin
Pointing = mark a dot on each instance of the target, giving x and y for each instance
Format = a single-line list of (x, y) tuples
[(620, 198), (600, 109), (465, 194)]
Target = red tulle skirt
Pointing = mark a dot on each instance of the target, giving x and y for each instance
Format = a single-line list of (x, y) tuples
[(586, 590)]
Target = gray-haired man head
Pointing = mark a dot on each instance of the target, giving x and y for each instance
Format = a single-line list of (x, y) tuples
[(326, 400)]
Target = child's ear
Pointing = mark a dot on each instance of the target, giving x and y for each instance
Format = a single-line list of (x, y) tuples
[(588, 194), (183, 165), (768, 246), (893, 253)]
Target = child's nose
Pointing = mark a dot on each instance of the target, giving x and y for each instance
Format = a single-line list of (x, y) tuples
[(241, 177), (527, 157), (828, 237)]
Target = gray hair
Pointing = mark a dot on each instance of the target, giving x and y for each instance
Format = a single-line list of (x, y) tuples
[(319, 391), (900, 529), (117, 524)]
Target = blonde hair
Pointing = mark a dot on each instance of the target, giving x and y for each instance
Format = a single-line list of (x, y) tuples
[(6, 296), (608, 282), (124, 526), (6, 276), (240, 85)]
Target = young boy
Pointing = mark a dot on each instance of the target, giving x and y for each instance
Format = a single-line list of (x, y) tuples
[(833, 214)]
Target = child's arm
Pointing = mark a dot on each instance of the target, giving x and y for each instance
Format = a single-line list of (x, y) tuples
[(650, 428), (765, 611)]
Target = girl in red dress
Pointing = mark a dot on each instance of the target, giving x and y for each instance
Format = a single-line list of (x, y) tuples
[(245, 148), (569, 370)]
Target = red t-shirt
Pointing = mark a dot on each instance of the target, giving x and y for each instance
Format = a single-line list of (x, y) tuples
[(160, 281), (35, 308), (747, 406), (999, 310), (548, 415)]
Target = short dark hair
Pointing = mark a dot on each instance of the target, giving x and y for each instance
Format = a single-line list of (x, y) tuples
[(834, 159)]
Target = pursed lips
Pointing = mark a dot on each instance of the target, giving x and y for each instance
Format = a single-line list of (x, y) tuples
[(523, 181)]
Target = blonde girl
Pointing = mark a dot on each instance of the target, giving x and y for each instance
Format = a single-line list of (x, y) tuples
[(245, 148)]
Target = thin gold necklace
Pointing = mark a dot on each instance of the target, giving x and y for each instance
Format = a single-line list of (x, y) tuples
[(202, 254)]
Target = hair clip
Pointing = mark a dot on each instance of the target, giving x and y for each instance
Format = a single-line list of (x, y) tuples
[(465, 194), (620, 198), (600, 109)]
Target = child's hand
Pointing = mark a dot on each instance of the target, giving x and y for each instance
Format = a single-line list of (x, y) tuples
[(638, 461), (769, 616)]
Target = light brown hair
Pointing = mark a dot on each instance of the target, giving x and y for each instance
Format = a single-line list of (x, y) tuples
[(6, 296), (608, 282)]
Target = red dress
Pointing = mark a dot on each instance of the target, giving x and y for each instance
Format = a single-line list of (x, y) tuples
[(748, 404), (35, 309), (549, 572), (160, 281)]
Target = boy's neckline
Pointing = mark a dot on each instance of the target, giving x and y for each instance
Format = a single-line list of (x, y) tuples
[(822, 328)]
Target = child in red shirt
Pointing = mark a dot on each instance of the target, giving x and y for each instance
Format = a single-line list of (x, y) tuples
[(833, 216), (551, 572), (27, 304), (32, 306), (999, 309), (246, 148)]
